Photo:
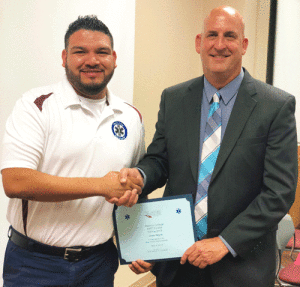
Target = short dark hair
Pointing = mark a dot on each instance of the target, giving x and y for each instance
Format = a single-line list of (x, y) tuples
[(89, 22)]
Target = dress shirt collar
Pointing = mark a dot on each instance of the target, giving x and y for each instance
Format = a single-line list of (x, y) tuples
[(226, 92)]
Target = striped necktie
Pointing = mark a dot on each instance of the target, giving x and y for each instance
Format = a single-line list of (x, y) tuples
[(210, 150)]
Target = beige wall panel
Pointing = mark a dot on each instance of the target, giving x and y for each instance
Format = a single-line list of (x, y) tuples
[(164, 51), (262, 36)]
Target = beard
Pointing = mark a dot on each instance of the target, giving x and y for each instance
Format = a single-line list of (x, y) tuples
[(91, 89)]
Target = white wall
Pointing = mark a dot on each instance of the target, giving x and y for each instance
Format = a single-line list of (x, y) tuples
[(287, 56), (32, 33)]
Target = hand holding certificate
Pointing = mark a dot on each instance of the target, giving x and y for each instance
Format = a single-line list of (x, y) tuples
[(155, 230)]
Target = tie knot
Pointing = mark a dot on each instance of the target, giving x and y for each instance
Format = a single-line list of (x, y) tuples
[(216, 97)]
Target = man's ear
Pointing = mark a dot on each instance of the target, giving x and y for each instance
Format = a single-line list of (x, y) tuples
[(245, 45), (115, 58), (64, 57), (198, 43)]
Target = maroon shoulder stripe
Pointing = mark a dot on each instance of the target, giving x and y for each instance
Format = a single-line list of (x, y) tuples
[(40, 100), (140, 115)]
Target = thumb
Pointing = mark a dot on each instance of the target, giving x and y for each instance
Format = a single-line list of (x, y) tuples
[(123, 175), (183, 258)]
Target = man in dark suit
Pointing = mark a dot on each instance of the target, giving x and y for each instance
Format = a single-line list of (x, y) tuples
[(254, 179)]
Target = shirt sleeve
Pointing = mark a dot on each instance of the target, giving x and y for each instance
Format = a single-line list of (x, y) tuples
[(233, 253), (23, 140)]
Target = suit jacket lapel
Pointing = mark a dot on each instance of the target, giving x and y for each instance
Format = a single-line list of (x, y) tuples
[(241, 111), (192, 113)]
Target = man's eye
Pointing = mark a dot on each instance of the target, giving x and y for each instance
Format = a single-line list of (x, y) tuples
[(103, 53), (231, 36)]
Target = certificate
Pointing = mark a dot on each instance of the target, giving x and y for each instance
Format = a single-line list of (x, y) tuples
[(155, 229)]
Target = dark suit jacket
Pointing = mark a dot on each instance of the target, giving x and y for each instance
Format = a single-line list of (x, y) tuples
[(254, 181)]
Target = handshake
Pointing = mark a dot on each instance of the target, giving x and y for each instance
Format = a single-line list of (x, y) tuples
[(125, 186)]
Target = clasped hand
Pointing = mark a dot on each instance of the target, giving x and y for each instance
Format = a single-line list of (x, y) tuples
[(126, 188)]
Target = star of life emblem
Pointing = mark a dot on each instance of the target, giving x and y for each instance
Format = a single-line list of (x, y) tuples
[(119, 130)]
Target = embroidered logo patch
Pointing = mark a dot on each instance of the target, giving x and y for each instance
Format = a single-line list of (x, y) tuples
[(119, 130)]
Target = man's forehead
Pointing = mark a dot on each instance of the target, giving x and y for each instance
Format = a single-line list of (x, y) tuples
[(221, 29), (83, 36), (222, 23), (86, 33), (225, 18)]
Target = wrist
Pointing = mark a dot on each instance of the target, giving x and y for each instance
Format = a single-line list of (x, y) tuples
[(100, 187)]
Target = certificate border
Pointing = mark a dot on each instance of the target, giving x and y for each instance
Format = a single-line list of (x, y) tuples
[(188, 197)]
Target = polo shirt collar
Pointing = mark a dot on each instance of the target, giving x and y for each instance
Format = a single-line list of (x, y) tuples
[(227, 92), (70, 97)]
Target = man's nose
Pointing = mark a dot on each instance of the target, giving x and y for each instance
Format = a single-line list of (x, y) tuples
[(92, 59), (220, 43)]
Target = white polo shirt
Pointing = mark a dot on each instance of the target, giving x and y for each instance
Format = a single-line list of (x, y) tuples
[(52, 131)]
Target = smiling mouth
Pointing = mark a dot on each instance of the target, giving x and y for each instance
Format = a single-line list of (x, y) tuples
[(91, 73), (220, 56)]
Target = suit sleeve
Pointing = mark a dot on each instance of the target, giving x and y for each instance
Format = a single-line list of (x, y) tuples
[(279, 182), (155, 162)]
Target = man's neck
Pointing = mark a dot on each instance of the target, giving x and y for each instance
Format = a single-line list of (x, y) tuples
[(220, 80)]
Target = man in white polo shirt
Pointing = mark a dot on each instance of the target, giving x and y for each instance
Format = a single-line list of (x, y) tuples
[(62, 145)]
